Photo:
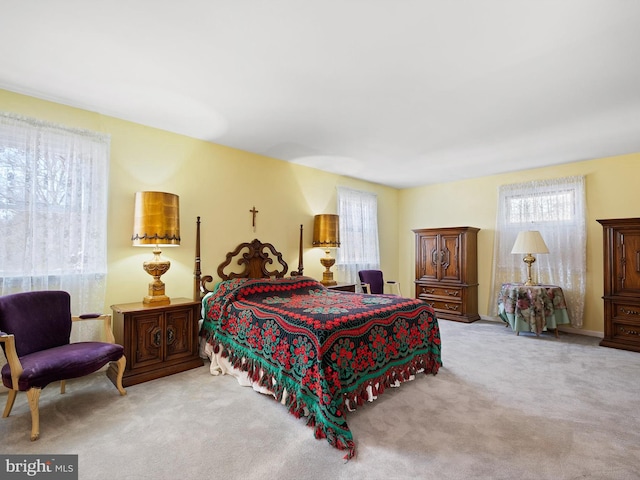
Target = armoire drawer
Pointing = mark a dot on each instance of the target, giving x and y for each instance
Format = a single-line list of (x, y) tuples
[(629, 313), (626, 331), (455, 293), (453, 308)]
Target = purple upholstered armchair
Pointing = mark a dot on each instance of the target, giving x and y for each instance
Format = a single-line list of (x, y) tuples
[(34, 332), (372, 281)]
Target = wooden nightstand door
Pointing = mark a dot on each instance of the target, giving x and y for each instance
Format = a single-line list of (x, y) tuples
[(179, 343), (146, 345)]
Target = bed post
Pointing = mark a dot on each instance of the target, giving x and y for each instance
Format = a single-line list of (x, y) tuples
[(197, 272), (298, 272), (300, 262)]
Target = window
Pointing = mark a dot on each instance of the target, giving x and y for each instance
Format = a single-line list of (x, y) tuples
[(546, 208), (359, 248), (556, 208), (53, 210)]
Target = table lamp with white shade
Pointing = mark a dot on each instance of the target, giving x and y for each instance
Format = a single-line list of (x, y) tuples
[(529, 242)]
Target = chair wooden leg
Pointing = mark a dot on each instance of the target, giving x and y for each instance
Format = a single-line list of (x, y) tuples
[(122, 363), (33, 394), (63, 386), (9, 405)]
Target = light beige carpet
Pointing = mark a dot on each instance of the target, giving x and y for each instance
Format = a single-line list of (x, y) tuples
[(502, 407)]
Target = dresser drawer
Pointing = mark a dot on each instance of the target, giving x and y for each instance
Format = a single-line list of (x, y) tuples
[(424, 291)]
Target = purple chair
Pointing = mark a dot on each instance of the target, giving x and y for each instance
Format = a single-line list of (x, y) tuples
[(372, 281), (34, 332)]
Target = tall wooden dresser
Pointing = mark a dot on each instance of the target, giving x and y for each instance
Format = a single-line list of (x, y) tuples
[(447, 271), (621, 283)]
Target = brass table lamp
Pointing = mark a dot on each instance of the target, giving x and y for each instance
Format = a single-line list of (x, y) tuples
[(156, 224), (326, 234), (529, 242)]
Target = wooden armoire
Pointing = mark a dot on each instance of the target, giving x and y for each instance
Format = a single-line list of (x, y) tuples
[(621, 283), (447, 271)]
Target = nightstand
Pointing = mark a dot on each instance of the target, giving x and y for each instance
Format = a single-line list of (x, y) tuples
[(343, 287), (158, 340)]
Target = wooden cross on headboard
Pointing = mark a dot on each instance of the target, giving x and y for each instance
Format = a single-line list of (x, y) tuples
[(253, 222)]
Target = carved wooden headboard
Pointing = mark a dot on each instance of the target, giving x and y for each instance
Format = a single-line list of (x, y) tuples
[(254, 261), (254, 258)]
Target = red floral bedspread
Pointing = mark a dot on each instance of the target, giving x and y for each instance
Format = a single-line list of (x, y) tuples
[(324, 347)]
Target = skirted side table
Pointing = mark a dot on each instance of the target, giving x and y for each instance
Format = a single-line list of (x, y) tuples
[(535, 308)]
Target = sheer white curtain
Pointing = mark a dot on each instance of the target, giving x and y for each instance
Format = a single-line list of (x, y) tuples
[(53, 210), (557, 209), (359, 248)]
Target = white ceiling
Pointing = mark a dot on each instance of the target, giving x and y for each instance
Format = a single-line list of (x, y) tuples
[(397, 92)]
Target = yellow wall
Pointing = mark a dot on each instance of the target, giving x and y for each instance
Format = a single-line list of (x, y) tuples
[(222, 184), (612, 192), (217, 183)]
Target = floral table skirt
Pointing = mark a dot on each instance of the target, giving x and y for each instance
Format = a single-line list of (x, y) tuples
[(535, 308)]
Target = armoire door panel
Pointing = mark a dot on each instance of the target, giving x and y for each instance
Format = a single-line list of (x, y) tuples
[(148, 340), (449, 256), (429, 259), (627, 268)]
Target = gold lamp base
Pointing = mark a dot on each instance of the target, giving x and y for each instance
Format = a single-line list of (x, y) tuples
[(529, 260), (156, 268), (327, 275)]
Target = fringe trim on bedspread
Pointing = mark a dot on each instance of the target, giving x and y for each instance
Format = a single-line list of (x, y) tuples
[(288, 394)]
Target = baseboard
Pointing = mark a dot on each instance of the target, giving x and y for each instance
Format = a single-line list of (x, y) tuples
[(565, 329), (581, 331)]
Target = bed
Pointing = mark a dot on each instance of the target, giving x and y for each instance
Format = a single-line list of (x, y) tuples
[(318, 351)]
